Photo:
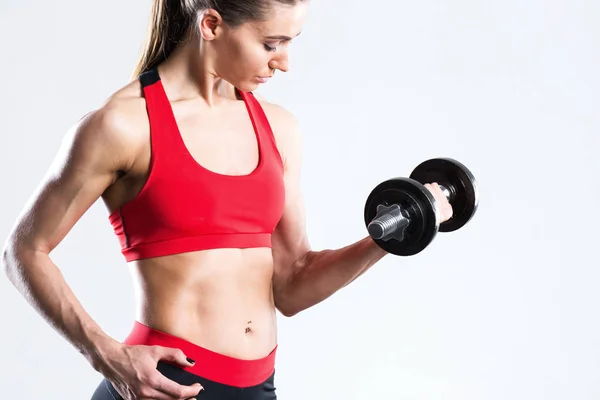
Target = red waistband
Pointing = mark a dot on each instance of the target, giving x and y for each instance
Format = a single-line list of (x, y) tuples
[(209, 364)]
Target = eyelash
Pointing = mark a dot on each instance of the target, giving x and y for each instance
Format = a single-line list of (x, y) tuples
[(269, 48)]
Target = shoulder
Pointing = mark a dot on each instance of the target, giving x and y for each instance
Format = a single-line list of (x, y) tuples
[(115, 128), (284, 125), (124, 112)]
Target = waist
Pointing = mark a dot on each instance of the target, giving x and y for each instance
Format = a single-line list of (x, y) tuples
[(221, 299), (245, 331), (209, 364)]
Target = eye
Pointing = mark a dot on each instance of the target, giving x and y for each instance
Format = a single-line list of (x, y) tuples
[(269, 48)]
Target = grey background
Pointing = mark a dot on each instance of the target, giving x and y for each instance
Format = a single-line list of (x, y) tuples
[(504, 309)]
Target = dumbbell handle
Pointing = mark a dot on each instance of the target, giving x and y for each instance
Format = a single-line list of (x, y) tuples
[(391, 222), (448, 191)]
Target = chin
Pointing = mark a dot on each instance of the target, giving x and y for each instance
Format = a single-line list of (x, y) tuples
[(247, 86)]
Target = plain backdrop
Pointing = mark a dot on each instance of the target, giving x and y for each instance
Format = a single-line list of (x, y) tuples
[(506, 308)]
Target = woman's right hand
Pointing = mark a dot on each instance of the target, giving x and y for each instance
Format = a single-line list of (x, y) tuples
[(132, 371)]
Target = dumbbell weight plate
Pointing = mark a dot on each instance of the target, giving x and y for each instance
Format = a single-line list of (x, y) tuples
[(414, 198), (461, 183)]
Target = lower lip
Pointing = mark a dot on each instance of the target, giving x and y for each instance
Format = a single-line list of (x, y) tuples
[(262, 80)]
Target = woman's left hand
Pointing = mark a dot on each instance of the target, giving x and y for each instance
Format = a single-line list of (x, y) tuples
[(443, 207)]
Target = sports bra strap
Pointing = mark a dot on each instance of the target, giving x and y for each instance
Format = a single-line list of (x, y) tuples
[(149, 77)]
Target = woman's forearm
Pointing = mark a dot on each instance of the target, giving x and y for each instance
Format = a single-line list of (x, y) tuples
[(42, 284), (317, 275)]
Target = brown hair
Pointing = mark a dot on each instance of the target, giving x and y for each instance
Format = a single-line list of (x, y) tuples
[(171, 19)]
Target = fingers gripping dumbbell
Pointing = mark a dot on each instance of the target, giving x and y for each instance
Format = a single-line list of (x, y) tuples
[(400, 213)]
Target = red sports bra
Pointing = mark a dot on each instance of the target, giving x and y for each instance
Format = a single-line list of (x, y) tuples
[(185, 207)]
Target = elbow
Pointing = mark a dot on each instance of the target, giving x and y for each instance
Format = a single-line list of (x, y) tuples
[(13, 255), (7, 261), (288, 296), (289, 314), (4, 261), (286, 306), (287, 311), (284, 299), (290, 304)]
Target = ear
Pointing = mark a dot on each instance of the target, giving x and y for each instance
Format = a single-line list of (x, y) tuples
[(210, 22)]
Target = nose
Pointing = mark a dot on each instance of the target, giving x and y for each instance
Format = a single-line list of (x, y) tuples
[(281, 63)]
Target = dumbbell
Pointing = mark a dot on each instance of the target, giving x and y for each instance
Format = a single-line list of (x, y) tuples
[(400, 213)]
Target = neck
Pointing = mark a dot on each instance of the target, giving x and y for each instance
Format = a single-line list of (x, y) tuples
[(189, 73)]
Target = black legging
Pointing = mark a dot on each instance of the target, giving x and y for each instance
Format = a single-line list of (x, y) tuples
[(212, 390)]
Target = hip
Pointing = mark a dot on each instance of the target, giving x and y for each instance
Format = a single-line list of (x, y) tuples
[(222, 377)]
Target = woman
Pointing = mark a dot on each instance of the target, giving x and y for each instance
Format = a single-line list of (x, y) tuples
[(201, 181)]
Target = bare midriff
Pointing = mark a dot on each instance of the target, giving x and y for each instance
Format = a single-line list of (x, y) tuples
[(220, 299)]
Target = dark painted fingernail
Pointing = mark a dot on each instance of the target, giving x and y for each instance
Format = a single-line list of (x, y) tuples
[(190, 360)]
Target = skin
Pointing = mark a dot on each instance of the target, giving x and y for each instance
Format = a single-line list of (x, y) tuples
[(223, 299)]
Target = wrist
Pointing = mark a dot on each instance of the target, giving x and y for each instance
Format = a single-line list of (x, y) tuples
[(374, 248), (99, 348)]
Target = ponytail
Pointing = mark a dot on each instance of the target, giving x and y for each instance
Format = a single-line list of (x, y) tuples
[(169, 20)]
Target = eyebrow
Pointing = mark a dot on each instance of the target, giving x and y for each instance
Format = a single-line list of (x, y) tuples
[(282, 37)]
